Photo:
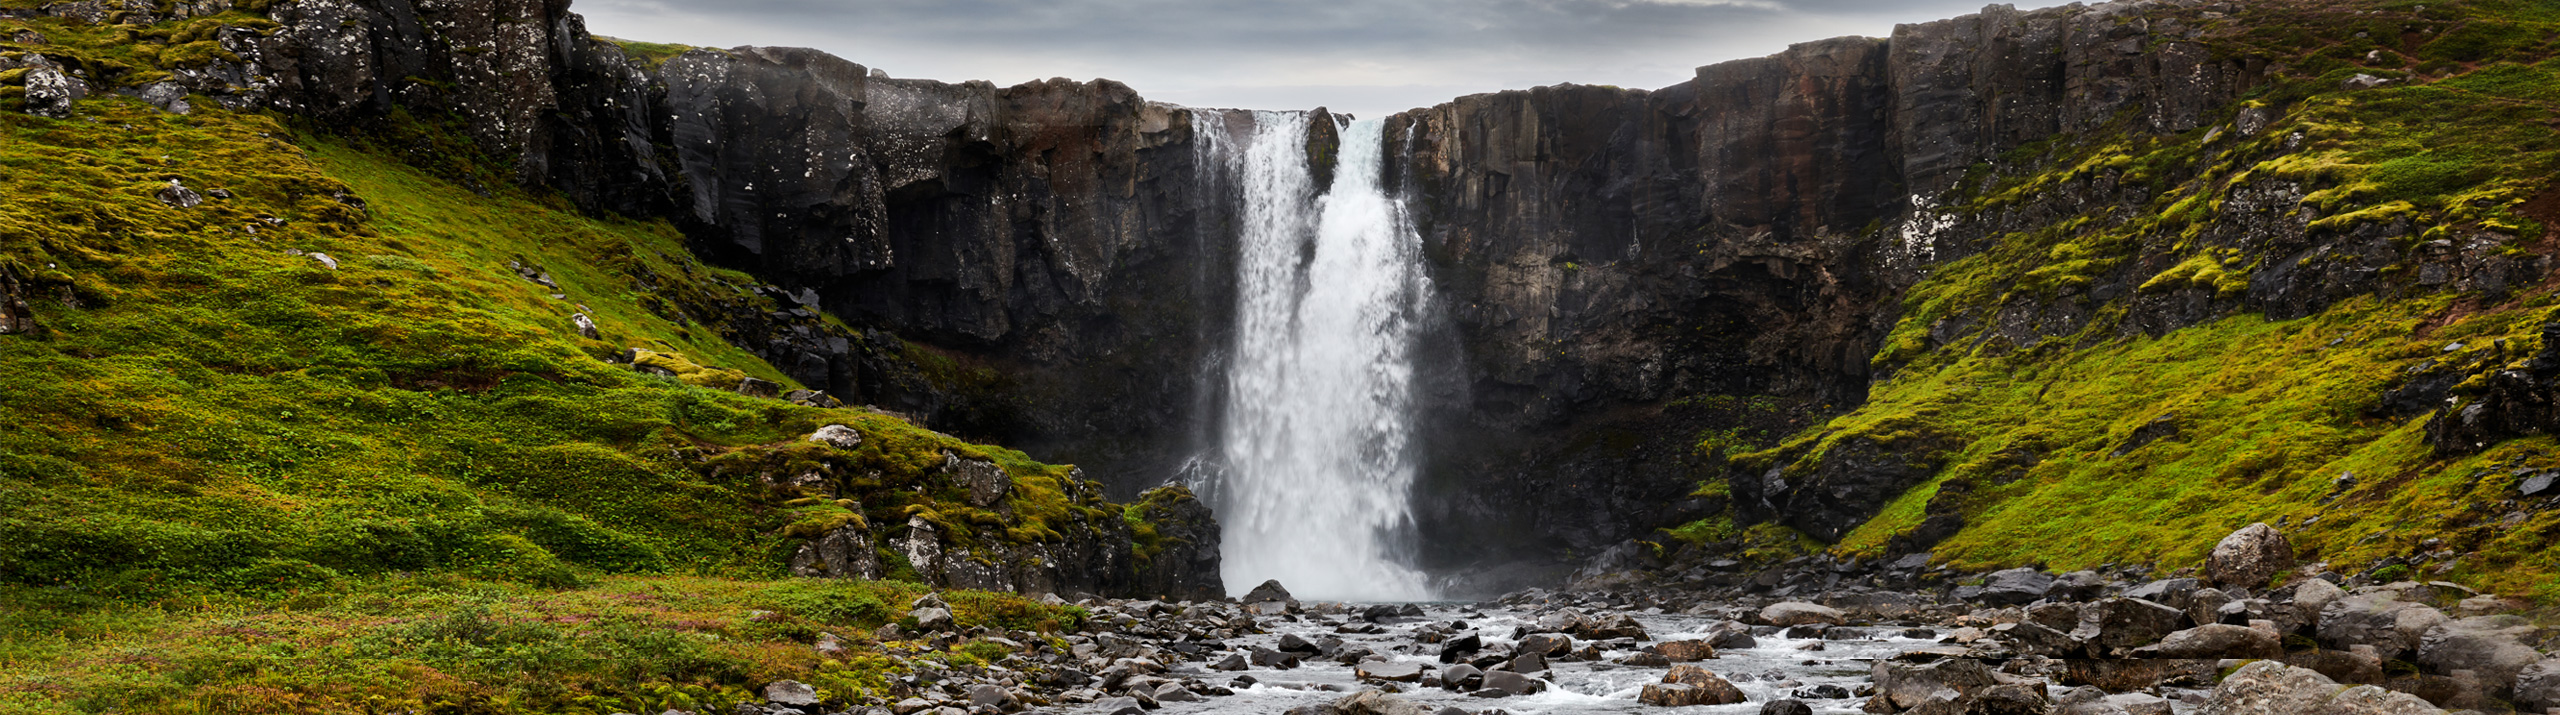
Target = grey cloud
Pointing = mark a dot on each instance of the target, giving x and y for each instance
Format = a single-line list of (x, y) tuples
[(1382, 55)]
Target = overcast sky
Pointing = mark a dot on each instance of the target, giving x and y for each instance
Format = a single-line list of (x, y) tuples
[(1359, 56)]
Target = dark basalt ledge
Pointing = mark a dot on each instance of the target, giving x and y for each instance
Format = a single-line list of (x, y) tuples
[(1048, 266)]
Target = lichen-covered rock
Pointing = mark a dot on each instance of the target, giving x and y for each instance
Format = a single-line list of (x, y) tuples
[(985, 482), (51, 93), (837, 436), (2250, 556)]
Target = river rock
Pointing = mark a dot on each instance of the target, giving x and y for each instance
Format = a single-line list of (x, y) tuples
[(1907, 684), (1390, 671), (1785, 707), (2015, 587), (1375, 702), (2030, 638), (1546, 643), (1461, 677), (1719, 691), (1115, 706), (2393, 628), (1513, 683), (2216, 641), (1269, 592), (2497, 648), (837, 436), (2126, 623), (1268, 658), (2249, 557), (1684, 651), (1531, 662), (1797, 613), (1460, 647)]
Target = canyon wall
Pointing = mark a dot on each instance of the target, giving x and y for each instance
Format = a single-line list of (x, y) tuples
[(1048, 266), (1614, 260)]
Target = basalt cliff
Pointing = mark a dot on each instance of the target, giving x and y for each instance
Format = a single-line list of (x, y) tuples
[(1880, 296)]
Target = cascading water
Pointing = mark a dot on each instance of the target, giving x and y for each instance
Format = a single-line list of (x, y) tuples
[(1319, 388)]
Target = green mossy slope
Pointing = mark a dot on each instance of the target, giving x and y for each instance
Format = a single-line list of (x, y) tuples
[(408, 481), (2459, 146)]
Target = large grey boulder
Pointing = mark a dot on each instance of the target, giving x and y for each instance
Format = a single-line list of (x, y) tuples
[(2312, 595), (1269, 592), (2127, 623), (2497, 648), (2015, 587), (2393, 628), (1907, 684), (2218, 641), (2537, 687), (2171, 592), (2249, 557), (2267, 687)]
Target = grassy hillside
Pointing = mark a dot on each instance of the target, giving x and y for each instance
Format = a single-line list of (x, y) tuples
[(324, 443), (2040, 437)]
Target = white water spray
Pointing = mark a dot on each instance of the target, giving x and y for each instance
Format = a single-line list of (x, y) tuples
[(1320, 385)]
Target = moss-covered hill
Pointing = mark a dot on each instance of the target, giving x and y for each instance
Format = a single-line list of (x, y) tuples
[(288, 423), (2171, 336)]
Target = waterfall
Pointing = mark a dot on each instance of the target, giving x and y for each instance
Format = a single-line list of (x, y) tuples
[(1317, 475)]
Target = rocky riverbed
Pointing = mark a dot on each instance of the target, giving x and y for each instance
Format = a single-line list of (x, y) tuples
[(2020, 642)]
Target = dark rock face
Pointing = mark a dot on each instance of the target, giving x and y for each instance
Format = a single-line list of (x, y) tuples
[(1605, 251), (1187, 567), (1048, 265)]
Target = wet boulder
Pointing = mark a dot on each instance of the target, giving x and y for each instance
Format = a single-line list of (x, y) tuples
[(1389, 671), (1685, 650), (1785, 707), (1546, 643), (1269, 592), (1797, 613), (1513, 683), (1688, 685), (2249, 557)]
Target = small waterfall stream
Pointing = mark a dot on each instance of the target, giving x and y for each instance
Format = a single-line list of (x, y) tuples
[(1319, 386)]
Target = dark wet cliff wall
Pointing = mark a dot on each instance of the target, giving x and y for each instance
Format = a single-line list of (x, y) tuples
[(1625, 269), (1048, 265)]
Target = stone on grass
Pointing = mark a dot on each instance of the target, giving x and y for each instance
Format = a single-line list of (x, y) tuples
[(2249, 557), (837, 436)]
